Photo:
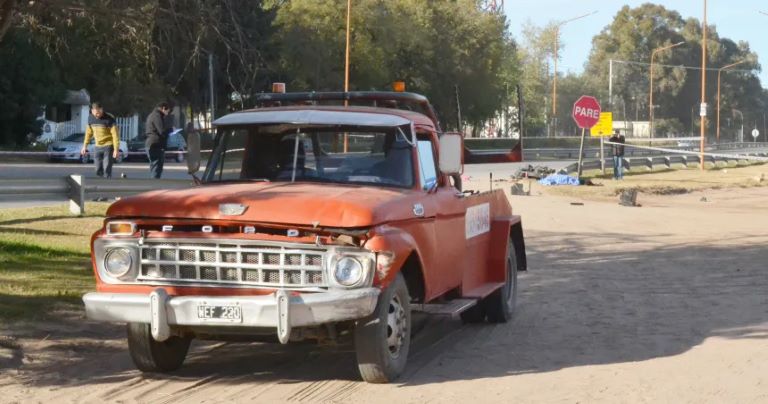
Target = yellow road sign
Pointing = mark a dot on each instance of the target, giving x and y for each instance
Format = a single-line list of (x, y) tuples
[(604, 126)]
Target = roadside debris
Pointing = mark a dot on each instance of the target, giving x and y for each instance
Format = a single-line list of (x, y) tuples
[(628, 197), (535, 172), (559, 179), (519, 189)]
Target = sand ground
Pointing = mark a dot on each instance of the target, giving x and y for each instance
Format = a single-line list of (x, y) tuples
[(667, 302)]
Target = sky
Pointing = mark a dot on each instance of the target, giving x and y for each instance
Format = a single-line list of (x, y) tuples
[(734, 19)]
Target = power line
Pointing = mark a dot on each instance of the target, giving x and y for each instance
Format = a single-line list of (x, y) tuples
[(628, 62)]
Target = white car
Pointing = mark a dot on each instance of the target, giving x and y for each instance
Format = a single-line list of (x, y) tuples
[(685, 144), (69, 149)]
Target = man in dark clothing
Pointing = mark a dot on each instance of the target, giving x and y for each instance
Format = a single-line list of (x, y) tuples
[(157, 130), (618, 155), (102, 128)]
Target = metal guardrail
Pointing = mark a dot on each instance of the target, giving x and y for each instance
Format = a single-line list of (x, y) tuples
[(648, 163), (594, 152), (77, 189)]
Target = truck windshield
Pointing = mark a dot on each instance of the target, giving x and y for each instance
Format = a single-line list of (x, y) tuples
[(316, 155)]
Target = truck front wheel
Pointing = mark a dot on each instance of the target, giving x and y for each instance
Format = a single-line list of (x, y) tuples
[(382, 340), (500, 306), (150, 355)]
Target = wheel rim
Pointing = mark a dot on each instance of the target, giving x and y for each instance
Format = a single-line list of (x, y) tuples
[(397, 327)]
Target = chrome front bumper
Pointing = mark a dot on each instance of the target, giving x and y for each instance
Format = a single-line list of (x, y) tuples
[(279, 310)]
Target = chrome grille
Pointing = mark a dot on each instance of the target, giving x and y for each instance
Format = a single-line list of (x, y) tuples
[(234, 264)]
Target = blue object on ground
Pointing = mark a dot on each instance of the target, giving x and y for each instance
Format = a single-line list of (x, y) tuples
[(559, 179)]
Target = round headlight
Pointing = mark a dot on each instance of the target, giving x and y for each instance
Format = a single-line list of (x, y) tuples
[(118, 262), (348, 272)]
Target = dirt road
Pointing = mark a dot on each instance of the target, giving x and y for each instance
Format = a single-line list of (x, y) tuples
[(667, 302)]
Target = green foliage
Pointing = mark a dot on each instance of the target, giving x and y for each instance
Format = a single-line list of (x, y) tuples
[(635, 33), (102, 46), (433, 46), (537, 47), (27, 81)]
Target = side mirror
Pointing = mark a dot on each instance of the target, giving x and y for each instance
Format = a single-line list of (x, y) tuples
[(193, 152), (451, 153)]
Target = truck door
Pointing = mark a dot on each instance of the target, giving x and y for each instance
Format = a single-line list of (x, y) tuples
[(446, 203)]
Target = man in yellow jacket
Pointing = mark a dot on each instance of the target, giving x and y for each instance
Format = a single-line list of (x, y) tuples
[(103, 128)]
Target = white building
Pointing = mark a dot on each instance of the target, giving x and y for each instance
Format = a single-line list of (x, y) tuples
[(70, 116)]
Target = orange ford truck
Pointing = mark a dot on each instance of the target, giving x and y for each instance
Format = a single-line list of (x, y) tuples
[(318, 216)]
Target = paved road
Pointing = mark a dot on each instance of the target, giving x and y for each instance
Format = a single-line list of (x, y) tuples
[(56, 170), (178, 170)]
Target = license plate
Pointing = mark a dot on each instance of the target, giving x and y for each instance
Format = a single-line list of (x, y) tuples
[(227, 314)]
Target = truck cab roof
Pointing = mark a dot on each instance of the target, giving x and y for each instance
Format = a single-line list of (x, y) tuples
[(361, 108), (326, 115)]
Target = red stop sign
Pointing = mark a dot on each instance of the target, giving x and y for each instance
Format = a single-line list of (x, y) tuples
[(586, 112)]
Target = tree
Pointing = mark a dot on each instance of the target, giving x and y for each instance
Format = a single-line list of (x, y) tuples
[(433, 46), (238, 33), (535, 52), (28, 80), (7, 8), (635, 33)]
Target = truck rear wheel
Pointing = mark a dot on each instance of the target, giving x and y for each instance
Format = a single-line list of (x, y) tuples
[(150, 355), (500, 306), (383, 339)]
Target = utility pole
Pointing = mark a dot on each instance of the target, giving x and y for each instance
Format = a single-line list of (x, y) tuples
[(650, 87), (210, 85), (554, 82), (610, 106), (703, 111), (719, 72)]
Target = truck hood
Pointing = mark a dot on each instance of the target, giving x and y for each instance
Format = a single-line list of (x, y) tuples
[(323, 205)]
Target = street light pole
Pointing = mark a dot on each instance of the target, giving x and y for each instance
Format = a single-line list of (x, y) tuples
[(650, 88), (719, 71), (703, 113), (554, 81), (346, 51), (346, 69)]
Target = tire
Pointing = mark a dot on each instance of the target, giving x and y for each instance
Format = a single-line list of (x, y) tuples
[(500, 305), (153, 356), (383, 339)]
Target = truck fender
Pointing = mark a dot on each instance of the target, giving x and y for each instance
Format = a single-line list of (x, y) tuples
[(502, 230), (404, 247)]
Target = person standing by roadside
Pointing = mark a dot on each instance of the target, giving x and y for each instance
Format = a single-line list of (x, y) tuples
[(103, 129), (157, 130), (618, 155)]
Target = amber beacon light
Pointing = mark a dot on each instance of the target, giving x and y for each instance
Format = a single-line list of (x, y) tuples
[(278, 87)]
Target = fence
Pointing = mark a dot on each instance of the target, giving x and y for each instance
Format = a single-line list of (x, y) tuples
[(64, 129), (128, 127)]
